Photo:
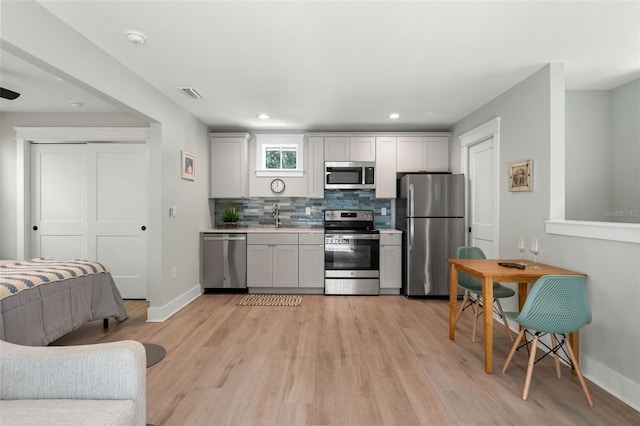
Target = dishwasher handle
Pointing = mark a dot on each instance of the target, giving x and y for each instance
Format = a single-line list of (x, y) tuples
[(239, 238)]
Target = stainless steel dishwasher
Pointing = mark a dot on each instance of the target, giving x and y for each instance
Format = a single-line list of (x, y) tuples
[(224, 262)]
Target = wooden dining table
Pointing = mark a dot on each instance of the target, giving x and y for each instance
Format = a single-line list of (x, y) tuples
[(489, 271)]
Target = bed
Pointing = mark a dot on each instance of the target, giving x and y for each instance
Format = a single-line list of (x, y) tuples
[(43, 299)]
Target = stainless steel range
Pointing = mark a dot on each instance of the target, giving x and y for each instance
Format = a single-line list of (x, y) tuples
[(351, 253)]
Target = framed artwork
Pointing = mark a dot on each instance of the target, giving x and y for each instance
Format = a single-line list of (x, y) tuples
[(521, 176), (188, 165)]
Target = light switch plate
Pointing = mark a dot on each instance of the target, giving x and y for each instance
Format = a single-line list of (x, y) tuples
[(383, 211), (307, 211)]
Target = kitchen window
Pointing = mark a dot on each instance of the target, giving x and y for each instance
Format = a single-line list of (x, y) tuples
[(279, 155)]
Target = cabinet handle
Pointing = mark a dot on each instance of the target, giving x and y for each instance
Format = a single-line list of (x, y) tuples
[(144, 228), (35, 228)]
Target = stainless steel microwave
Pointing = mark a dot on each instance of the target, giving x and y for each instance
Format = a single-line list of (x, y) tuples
[(349, 175)]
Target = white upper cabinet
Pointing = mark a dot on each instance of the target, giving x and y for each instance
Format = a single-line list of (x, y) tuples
[(386, 167), (437, 153), (362, 148), (422, 154), (229, 165), (343, 148), (336, 148), (315, 171), (409, 154)]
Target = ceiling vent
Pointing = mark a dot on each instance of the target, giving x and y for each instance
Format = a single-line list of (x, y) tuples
[(190, 92)]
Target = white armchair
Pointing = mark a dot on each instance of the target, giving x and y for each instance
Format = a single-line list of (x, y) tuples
[(80, 385)]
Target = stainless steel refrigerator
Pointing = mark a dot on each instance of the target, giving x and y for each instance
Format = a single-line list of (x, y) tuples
[(430, 212)]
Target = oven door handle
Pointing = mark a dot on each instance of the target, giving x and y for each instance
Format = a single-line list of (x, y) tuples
[(354, 237)]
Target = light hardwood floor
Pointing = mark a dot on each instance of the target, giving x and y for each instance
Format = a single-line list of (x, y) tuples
[(342, 360)]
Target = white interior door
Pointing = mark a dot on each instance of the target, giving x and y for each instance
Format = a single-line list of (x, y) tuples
[(481, 196), (95, 208)]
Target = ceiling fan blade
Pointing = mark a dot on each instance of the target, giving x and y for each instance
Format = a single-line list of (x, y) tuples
[(8, 94)]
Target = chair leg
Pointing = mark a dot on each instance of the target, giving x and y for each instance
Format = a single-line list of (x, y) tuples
[(579, 373), (504, 319), (532, 361), (475, 319), (465, 299), (554, 343), (513, 350)]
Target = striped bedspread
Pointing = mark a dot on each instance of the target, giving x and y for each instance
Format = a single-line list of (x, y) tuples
[(18, 276)]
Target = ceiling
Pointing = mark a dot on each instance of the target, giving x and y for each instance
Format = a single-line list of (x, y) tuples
[(338, 65)]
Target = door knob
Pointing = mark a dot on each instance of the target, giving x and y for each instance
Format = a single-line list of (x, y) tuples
[(35, 228), (144, 228)]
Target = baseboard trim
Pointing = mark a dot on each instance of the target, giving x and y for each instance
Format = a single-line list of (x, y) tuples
[(611, 381), (161, 314)]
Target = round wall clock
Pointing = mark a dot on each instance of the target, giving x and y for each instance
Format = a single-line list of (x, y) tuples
[(277, 186)]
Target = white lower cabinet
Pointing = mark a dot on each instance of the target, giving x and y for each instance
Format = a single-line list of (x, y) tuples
[(311, 260), (285, 265), (259, 265), (391, 261), (272, 260)]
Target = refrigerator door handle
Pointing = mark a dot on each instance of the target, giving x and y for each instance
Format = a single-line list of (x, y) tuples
[(411, 211), (410, 220), (411, 205)]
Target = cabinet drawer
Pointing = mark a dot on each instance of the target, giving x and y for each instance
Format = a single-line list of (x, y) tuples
[(394, 239), (316, 238), (272, 238)]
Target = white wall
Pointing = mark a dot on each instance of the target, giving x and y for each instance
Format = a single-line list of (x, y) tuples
[(172, 242), (603, 148), (530, 128), (588, 150), (625, 152)]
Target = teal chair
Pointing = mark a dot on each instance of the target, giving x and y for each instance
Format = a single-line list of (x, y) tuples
[(473, 291), (557, 305)]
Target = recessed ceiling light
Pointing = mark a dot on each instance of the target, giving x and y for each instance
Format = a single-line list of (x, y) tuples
[(136, 37), (394, 115), (263, 116)]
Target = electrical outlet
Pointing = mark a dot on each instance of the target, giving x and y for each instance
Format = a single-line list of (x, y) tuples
[(173, 210), (383, 211), (307, 211)]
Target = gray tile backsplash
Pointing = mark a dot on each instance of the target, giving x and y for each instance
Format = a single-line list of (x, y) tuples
[(257, 212)]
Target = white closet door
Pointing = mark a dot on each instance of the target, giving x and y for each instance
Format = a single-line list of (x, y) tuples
[(116, 213), (88, 202), (59, 201)]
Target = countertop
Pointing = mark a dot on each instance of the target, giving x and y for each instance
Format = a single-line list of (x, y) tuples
[(289, 230), (241, 230)]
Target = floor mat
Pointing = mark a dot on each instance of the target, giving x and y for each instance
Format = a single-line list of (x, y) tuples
[(271, 300)]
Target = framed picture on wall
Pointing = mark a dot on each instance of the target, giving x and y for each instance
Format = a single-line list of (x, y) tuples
[(188, 165), (521, 176)]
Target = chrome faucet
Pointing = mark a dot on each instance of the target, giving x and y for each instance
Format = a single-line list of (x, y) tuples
[(276, 214)]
